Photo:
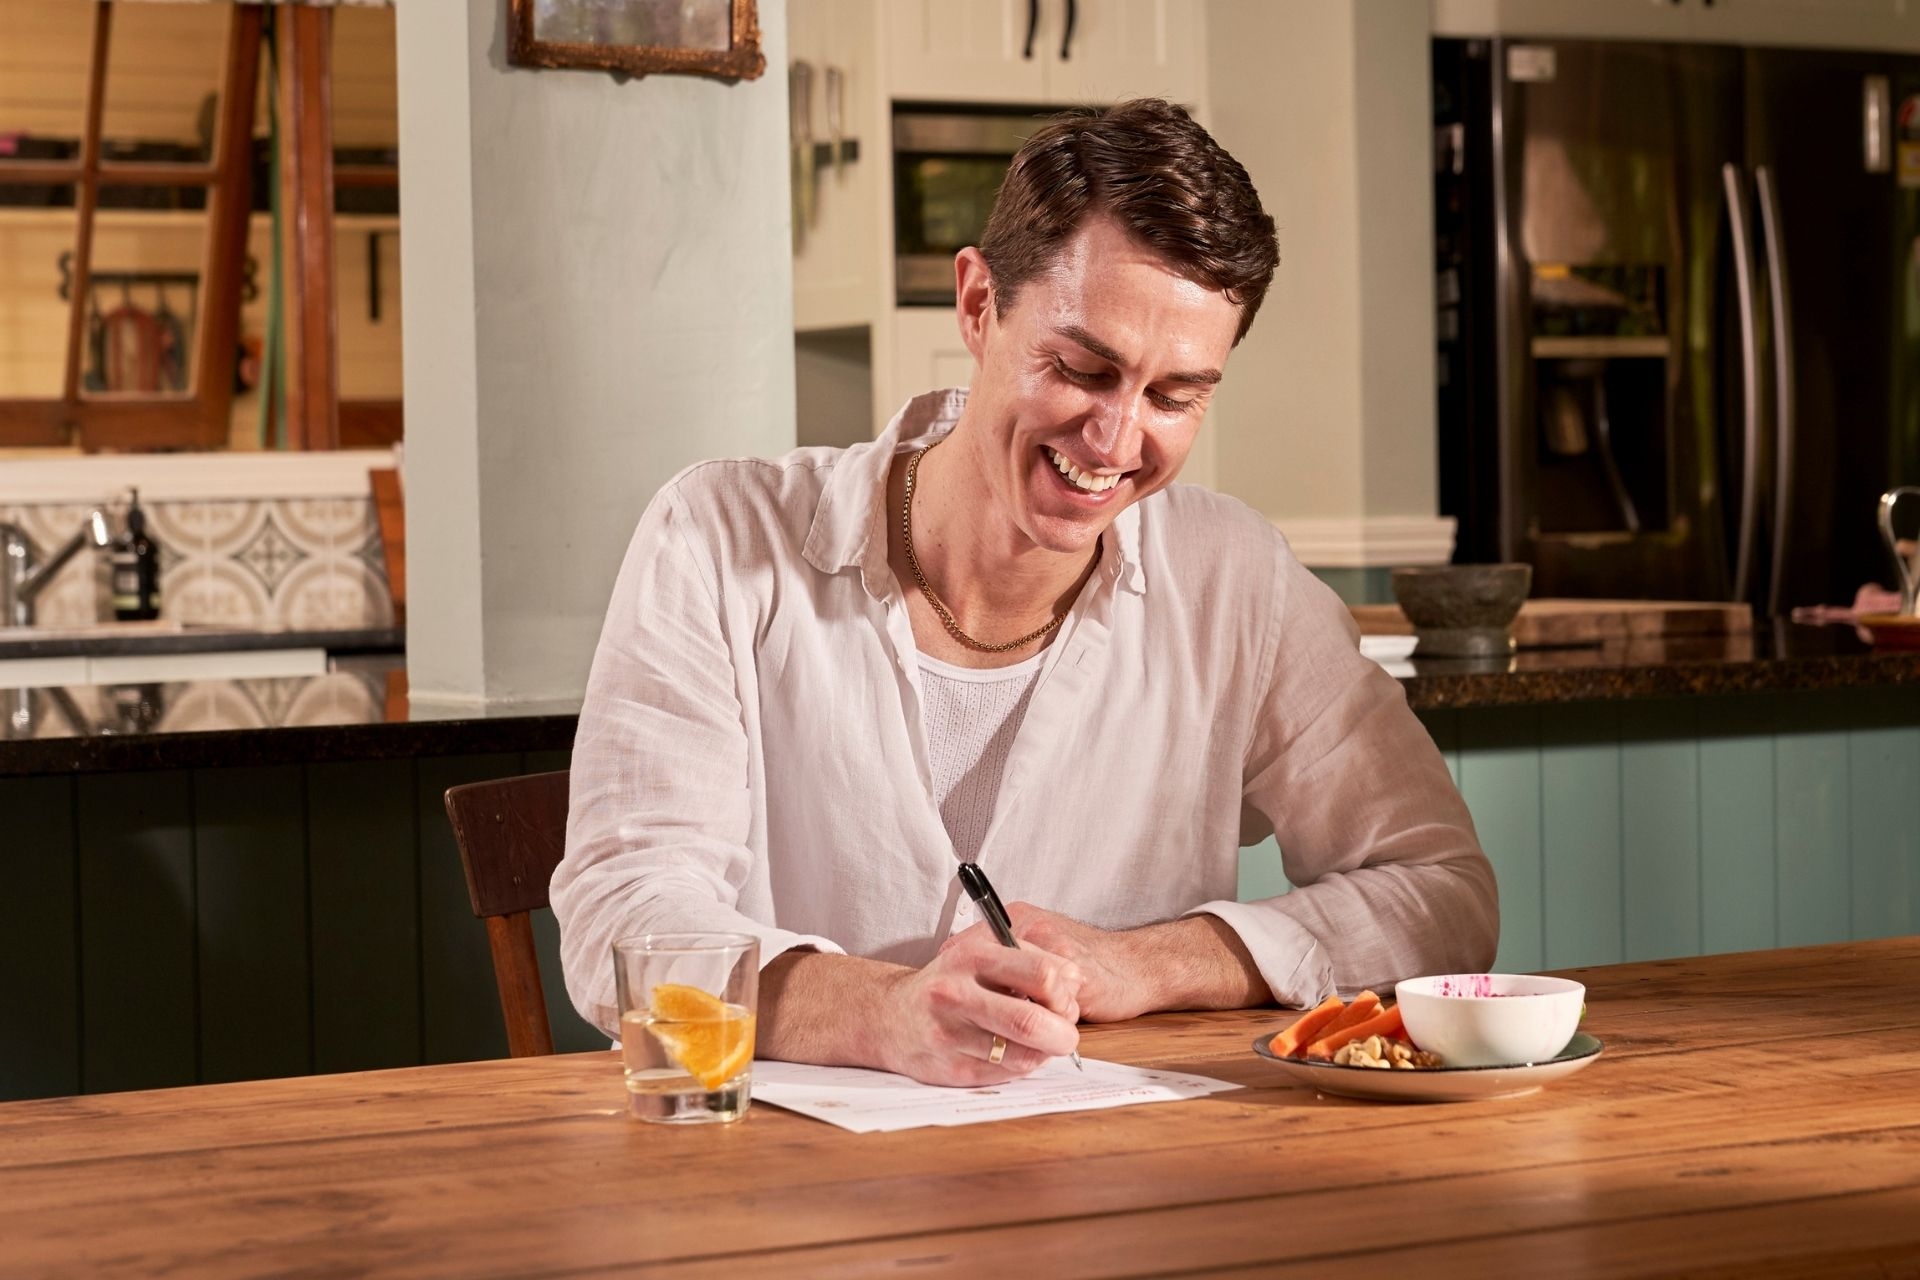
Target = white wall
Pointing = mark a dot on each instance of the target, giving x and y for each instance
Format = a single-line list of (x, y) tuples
[(599, 292), (1328, 410)]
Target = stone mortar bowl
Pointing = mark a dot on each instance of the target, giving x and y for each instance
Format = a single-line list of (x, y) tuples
[(1463, 610)]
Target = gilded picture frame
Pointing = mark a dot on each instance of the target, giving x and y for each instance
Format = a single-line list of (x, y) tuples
[(717, 38)]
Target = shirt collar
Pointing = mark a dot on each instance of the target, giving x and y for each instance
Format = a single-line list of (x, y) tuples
[(849, 525)]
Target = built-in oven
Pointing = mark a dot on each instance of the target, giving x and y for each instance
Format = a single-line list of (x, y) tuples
[(948, 163)]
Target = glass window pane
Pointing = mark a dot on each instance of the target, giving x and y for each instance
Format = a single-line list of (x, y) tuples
[(146, 302), (165, 63), (43, 78), (33, 315)]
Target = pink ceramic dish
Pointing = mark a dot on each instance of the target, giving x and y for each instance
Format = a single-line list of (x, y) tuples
[(1490, 1019)]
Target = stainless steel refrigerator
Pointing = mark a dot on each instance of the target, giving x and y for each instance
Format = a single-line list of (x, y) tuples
[(1679, 324)]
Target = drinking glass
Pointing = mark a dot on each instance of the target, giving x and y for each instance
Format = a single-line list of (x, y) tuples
[(687, 1006)]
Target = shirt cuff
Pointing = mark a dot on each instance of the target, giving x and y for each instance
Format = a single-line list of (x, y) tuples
[(1291, 961)]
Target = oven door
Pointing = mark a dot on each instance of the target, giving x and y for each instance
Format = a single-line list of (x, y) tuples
[(947, 169)]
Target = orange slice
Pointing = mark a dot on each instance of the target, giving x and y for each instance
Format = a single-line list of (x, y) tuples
[(712, 1051), (677, 1002)]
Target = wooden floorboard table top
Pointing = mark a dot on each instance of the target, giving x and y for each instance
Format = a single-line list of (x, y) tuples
[(1755, 1114)]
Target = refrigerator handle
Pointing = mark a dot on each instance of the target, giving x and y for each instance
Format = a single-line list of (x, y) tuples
[(1733, 182), (1785, 426)]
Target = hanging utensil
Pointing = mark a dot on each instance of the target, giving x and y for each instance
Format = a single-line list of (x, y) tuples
[(1905, 551), (836, 118), (800, 137)]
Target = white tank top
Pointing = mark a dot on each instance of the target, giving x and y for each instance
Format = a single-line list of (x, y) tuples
[(970, 718)]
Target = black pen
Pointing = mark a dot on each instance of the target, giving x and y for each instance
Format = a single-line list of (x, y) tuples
[(980, 889)]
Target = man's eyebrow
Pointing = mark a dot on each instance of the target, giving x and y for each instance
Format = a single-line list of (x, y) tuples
[(1201, 377)]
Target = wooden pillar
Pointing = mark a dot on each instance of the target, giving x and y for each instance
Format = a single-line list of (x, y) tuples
[(306, 198)]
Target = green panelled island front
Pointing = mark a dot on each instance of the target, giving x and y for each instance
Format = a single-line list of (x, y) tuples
[(180, 926)]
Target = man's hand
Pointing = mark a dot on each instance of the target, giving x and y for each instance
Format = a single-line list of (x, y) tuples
[(940, 1021), (935, 1024), (1191, 963), (1112, 988)]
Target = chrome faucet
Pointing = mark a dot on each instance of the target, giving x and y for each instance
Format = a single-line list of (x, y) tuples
[(23, 575)]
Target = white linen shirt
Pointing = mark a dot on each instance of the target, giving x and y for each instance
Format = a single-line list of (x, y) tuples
[(750, 753)]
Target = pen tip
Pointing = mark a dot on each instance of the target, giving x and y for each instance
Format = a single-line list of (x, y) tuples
[(1076, 1061)]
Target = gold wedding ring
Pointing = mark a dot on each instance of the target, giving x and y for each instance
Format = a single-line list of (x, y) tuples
[(998, 1051)]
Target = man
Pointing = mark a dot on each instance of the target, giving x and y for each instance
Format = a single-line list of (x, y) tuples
[(997, 634)]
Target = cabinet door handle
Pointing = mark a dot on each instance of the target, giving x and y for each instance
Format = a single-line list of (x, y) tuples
[(1066, 37), (1033, 25)]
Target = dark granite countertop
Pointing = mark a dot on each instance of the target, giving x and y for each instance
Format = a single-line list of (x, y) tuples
[(360, 710), (158, 638), (1774, 658), (357, 711)]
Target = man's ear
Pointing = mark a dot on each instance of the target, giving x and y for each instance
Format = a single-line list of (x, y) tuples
[(973, 300)]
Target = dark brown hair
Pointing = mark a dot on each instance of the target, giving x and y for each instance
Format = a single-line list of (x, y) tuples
[(1163, 178)]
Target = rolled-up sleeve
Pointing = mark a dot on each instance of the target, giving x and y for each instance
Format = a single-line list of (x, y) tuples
[(1389, 878), (660, 806)]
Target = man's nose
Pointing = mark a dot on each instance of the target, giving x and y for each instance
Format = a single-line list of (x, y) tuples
[(1113, 431)]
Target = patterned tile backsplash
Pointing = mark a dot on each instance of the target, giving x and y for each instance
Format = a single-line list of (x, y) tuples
[(278, 564)]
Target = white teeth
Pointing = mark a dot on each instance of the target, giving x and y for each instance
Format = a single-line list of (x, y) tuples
[(1081, 479)]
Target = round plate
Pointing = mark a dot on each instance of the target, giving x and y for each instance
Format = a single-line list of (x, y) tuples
[(1437, 1084), (1891, 630)]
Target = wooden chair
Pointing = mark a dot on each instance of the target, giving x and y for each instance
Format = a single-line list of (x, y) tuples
[(511, 833)]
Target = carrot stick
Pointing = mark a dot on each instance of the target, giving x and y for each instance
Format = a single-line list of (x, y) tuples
[(1365, 1005), (1302, 1032), (1385, 1025)]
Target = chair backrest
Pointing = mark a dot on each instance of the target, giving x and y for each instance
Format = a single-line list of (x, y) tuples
[(511, 833)]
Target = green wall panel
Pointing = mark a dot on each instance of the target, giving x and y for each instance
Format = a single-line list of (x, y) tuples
[(1812, 849), (363, 880), (460, 1002), (39, 940), (1739, 895), (139, 1003), (1660, 856), (1883, 813), (1444, 728), (250, 853), (1580, 817), (1500, 780), (1262, 874)]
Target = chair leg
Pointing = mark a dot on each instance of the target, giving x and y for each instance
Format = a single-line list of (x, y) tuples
[(516, 967)]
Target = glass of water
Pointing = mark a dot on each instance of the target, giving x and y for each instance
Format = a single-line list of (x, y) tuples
[(687, 1013)]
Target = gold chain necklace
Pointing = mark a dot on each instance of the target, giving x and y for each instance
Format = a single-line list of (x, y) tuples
[(926, 589)]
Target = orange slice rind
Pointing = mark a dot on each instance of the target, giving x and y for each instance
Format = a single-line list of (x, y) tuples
[(711, 1040), (713, 1051)]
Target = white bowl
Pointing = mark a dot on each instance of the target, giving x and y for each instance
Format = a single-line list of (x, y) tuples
[(1490, 1019)]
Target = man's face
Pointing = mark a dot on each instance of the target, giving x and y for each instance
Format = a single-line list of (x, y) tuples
[(1090, 388)]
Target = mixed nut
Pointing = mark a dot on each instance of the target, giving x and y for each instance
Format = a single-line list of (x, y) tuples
[(1378, 1051)]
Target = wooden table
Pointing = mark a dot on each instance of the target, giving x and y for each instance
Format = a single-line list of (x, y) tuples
[(1754, 1114)]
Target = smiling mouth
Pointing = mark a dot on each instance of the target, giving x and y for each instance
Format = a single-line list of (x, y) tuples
[(1082, 480)]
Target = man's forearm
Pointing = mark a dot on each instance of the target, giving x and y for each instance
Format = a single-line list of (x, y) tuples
[(1196, 962), (824, 1009)]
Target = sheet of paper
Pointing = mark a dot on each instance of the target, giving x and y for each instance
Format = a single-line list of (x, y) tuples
[(880, 1102)]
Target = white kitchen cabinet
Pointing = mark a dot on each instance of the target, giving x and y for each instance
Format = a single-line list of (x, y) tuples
[(841, 264), (1127, 49), (965, 50), (1833, 24), (979, 50), (927, 355), (1565, 19)]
